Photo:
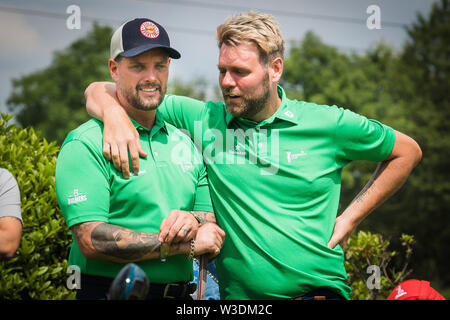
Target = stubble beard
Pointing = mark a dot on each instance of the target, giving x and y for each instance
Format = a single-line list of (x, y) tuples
[(136, 101), (250, 104)]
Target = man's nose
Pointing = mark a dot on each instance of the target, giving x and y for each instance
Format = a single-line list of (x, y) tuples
[(227, 80), (150, 75)]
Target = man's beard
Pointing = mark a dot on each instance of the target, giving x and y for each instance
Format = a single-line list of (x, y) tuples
[(136, 101), (250, 105)]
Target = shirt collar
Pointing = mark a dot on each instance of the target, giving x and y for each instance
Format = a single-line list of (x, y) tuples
[(284, 112), (159, 124)]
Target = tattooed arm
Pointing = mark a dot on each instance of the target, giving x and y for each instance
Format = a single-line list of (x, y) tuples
[(100, 240), (388, 177)]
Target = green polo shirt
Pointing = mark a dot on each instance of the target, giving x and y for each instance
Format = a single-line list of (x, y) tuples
[(89, 188), (275, 188)]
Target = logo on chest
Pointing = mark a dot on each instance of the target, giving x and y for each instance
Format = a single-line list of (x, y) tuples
[(238, 150), (186, 166), (294, 156)]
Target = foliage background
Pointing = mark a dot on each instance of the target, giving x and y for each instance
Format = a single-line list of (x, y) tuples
[(38, 271)]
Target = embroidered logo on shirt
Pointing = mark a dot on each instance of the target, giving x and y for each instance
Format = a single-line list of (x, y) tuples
[(186, 166), (289, 114), (139, 173), (292, 156), (237, 150), (76, 197)]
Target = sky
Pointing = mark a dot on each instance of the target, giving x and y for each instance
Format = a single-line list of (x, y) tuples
[(31, 31)]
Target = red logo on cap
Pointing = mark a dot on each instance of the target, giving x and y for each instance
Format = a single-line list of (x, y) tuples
[(149, 30)]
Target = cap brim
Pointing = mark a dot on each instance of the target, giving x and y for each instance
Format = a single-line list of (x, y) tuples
[(141, 49)]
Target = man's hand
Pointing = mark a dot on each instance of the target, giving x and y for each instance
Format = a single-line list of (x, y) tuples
[(209, 240), (119, 135), (179, 226), (343, 228)]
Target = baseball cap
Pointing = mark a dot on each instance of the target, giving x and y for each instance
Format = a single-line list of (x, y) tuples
[(414, 290), (139, 35)]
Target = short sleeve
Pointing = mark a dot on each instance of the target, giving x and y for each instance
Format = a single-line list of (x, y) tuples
[(359, 138), (202, 195), (82, 184), (9, 196), (182, 112)]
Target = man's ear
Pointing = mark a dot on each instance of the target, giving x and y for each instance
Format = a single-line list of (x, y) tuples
[(114, 69), (276, 69)]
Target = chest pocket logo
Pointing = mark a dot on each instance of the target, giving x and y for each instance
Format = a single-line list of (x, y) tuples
[(293, 156), (186, 166), (141, 172)]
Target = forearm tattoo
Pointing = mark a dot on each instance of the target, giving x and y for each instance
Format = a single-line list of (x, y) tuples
[(366, 190), (207, 216), (118, 242), (122, 243)]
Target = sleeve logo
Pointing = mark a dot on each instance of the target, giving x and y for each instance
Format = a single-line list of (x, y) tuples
[(76, 197)]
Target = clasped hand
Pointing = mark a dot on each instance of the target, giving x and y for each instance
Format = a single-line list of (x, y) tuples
[(181, 226)]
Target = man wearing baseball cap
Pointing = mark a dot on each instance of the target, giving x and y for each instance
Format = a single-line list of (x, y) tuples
[(115, 221), (138, 36)]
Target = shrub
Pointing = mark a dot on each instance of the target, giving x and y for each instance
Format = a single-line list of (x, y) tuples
[(38, 271), (366, 249)]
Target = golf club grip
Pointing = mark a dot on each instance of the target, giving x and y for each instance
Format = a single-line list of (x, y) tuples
[(202, 277)]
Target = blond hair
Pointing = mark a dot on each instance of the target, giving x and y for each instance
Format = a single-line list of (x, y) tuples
[(259, 28)]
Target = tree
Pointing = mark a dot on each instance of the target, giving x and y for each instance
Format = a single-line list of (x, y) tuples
[(52, 100), (319, 73), (371, 273), (426, 62), (196, 88)]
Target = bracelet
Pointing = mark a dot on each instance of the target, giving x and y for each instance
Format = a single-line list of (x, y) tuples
[(198, 217), (192, 251)]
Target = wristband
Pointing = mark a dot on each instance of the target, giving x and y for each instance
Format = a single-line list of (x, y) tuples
[(192, 251)]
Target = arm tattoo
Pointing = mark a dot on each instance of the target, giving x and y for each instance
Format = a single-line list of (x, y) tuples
[(360, 197), (207, 216), (123, 243), (366, 190)]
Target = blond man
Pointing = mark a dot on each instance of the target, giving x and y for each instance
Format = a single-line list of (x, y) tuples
[(274, 166)]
